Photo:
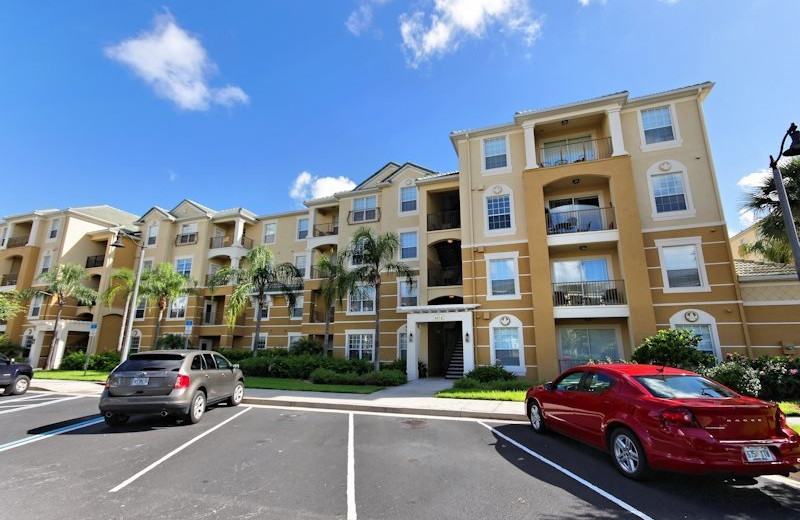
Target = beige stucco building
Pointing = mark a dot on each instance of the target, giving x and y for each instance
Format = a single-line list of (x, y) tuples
[(567, 233)]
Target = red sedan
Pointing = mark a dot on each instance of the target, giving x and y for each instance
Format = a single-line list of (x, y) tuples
[(655, 418)]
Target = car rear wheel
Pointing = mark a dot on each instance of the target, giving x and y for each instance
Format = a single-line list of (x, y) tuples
[(628, 454), (116, 419), (19, 386), (238, 394), (536, 417), (198, 407)]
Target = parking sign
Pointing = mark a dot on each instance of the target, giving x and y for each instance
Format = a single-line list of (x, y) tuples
[(92, 330)]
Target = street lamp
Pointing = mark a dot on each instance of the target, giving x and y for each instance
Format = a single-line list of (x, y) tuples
[(788, 219), (126, 345)]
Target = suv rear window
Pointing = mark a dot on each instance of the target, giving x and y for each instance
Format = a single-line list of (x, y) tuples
[(141, 362), (681, 387)]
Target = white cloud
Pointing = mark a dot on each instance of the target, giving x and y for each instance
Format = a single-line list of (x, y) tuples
[(451, 21), (747, 217), (308, 186), (754, 180), (176, 65), (360, 19), (171, 175)]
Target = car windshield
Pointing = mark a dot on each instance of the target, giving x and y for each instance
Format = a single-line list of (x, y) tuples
[(141, 362), (680, 387)]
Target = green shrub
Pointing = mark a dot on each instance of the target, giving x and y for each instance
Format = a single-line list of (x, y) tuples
[(486, 373), (306, 346), (73, 361), (276, 364), (171, 342), (738, 376), (779, 375), (384, 378), (9, 349), (469, 383), (397, 364), (675, 348), (329, 377), (106, 361)]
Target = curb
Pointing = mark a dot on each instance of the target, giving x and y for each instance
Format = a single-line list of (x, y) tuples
[(467, 414)]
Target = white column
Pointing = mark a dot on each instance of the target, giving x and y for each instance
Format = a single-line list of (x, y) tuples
[(412, 337), (36, 348), (235, 261), (34, 232), (615, 125), (469, 346), (530, 145), (238, 231)]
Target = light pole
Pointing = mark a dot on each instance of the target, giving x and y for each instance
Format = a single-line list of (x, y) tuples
[(126, 345), (788, 219)]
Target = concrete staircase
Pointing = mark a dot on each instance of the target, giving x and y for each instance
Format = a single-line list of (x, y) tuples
[(455, 370)]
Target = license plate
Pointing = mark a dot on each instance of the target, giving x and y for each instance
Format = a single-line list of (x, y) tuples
[(140, 381), (758, 454)]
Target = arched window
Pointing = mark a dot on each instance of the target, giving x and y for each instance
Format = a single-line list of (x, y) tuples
[(507, 342), (701, 323)]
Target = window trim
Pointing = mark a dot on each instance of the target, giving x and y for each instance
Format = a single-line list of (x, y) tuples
[(57, 223), (290, 335), (254, 303), (306, 270), (697, 242), (400, 210), (666, 167), (264, 232), (361, 313), (514, 323), (136, 308), (608, 326), (191, 265), (298, 299), (365, 220), (498, 190), (154, 236), (265, 335), (184, 297), (704, 318), (403, 330), (607, 257), (502, 169), (664, 145), (297, 228), (402, 281), (400, 233), (40, 299), (357, 332), (46, 256), (511, 255)]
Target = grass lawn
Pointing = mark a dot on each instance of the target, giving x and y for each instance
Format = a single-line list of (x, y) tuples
[(274, 383), (490, 395), (71, 375), (790, 408), (795, 428)]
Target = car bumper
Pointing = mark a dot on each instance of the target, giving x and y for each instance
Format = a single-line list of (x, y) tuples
[(175, 402)]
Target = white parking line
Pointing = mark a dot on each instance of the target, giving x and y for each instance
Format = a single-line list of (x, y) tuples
[(570, 474), (176, 451), (351, 472), (36, 405), (42, 436), (29, 397)]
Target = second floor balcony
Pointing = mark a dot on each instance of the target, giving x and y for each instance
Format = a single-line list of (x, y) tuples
[(444, 220), (95, 261), (9, 279), (18, 241), (579, 218), (444, 276), (326, 230), (228, 241), (603, 292), (566, 151)]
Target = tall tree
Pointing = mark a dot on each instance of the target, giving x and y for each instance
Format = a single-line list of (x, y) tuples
[(257, 278), (374, 254), (337, 282), (160, 285), (63, 281), (10, 305), (122, 282), (770, 249)]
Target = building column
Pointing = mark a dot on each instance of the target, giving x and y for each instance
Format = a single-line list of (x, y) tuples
[(530, 145), (238, 231), (36, 348), (615, 125), (9, 234), (412, 352), (34, 232), (468, 338)]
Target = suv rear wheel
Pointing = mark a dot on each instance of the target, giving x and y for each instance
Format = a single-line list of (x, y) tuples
[(238, 393), (197, 408)]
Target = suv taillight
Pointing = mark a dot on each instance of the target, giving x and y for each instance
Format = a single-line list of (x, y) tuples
[(108, 382), (780, 421), (182, 381), (679, 417)]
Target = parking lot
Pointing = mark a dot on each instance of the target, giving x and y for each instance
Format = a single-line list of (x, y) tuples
[(59, 460)]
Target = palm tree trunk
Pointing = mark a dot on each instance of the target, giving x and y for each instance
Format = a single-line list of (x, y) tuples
[(257, 335), (124, 322), (52, 354), (158, 327), (327, 330), (377, 343)]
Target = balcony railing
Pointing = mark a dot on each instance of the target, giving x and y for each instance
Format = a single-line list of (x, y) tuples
[(318, 316), (95, 261), (579, 221), (444, 276), (228, 241), (326, 230), (184, 239), (292, 286), (606, 292), (364, 215), (210, 276), (317, 273), (9, 279), (17, 242), (444, 220), (575, 152)]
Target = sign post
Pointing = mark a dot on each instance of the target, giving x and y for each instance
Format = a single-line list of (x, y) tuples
[(92, 335), (186, 332)]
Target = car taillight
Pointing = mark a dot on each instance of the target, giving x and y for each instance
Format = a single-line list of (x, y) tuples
[(182, 381), (679, 417), (780, 421), (108, 382)]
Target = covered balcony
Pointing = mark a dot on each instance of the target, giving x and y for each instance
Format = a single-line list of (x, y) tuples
[(574, 150), (218, 242), (604, 292), (444, 264)]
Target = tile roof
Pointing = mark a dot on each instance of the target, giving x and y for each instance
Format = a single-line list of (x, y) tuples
[(754, 268)]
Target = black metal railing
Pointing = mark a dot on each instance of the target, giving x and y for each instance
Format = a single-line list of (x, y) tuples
[(605, 292), (326, 230), (17, 241), (408, 301), (292, 286), (444, 276), (228, 241), (317, 273), (184, 239), (95, 261), (579, 221), (558, 155), (444, 220), (9, 279), (364, 215), (318, 315)]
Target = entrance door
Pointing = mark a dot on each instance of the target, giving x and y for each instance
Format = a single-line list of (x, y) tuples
[(206, 344), (209, 312)]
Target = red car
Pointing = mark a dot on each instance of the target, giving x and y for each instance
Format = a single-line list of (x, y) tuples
[(658, 418)]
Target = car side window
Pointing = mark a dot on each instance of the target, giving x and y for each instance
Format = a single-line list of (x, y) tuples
[(197, 363), (570, 382), (209, 361), (222, 363), (597, 383)]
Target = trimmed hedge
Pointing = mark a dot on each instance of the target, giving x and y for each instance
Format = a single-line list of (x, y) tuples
[(275, 364), (106, 361), (470, 383), (382, 378), (486, 373)]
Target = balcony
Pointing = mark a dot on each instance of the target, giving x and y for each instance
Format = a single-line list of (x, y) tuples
[(317, 273), (560, 222), (444, 220), (326, 230), (228, 241), (185, 239), (581, 294), (95, 261), (364, 215), (583, 151), (210, 276), (444, 276), (19, 241), (293, 286), (9, 279), (318, 316)]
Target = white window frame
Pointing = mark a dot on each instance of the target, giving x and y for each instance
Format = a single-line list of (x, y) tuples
[(305, 269), (358, 332), (664, 145), (362, 312), (607, 258), (264, 234), (400, 210), (154, 236), (55, 226), (697, 242), (667, 167), (297, 228), (498, 190), (501, 169), (135, 335), (147, 264), (292, 335), (174, 304), (400, 233), (512, 255), (298, 304), (703, 318), (183, 259), (3, 236), (352, 256), (46, 263), (256, 307), (376, 208), (39, 308), (143, 304), (264, 335), (402, 331), (514, 323), (401, 282)]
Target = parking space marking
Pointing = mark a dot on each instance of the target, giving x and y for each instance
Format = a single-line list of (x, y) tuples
[(175, 452), (36, 405), (779, 479), (42, 436), (28, 397), (351, 471), (570, 474)]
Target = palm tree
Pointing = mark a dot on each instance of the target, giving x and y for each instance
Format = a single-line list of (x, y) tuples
[(63, 281), (160, 285), (122, 283), (337, 282), (258, 277), (771, 249), (374, 254)]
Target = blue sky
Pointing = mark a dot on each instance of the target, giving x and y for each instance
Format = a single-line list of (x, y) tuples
[(144, 103)]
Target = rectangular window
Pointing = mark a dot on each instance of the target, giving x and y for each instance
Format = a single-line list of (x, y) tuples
[(302, 228), (408, 199), (706, 339), (590, 270), (408, 292), (188, 234), (300, 264), (359, 346), (402, 345), (657, 125), (270, 231), (502, 277), (261, 344), (579, 345), (495, 153), (362, 299), (297, 310), (265, 312), (408, 245), (565, 151), (141, 308), (136, 342), (36, 306), (54, 225), (294, 337), (189, 228), (184, 266), (3, 235), (147, 265), (669, 192), (507, 346), (498, 209), (47, 262), (152, 234), (681, 266), (177, 308), (364, 209), (357, 256), (27, 344)]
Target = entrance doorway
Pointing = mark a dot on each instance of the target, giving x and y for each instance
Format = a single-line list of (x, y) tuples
[(445, 345)]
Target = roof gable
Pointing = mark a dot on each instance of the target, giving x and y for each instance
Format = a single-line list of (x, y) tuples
[(191, 209), (377, 177)]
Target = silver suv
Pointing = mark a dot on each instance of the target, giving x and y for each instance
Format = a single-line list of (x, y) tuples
[(170, 382)]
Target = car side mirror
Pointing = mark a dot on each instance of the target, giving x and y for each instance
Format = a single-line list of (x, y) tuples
[(549, 386), (10, 361), (234, 366)]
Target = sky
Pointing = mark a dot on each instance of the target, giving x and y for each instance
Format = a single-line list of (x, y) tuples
[(263, 104)]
